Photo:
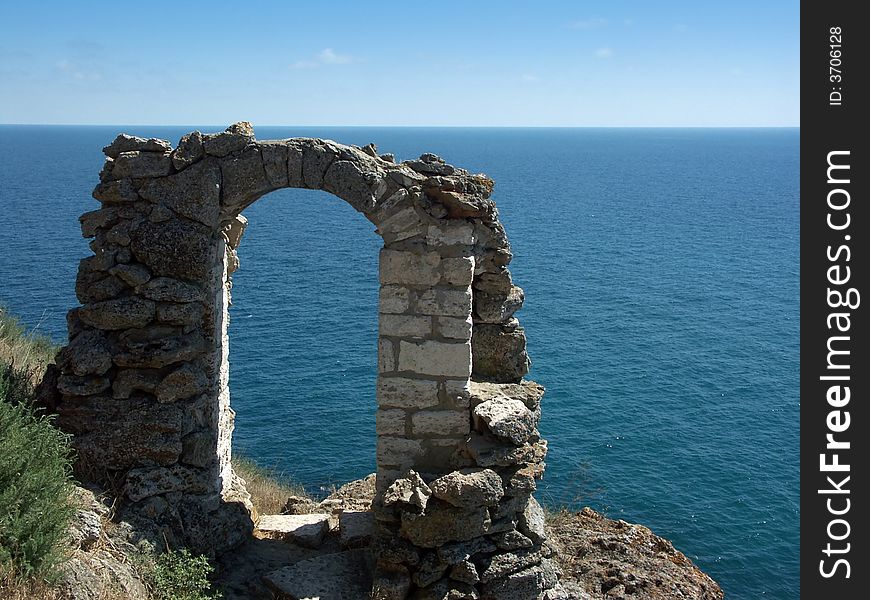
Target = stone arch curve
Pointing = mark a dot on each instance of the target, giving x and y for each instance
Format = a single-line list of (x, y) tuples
[(144, 379)]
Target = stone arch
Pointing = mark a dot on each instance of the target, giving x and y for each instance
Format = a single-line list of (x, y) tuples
[(144, 380)]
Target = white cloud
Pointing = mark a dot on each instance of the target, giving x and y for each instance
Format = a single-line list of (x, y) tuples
[(604, 52), (77, 71), (530, 77), (593, 23), (327, 56)]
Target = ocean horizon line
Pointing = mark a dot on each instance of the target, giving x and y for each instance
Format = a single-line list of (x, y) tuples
[(481, 127)]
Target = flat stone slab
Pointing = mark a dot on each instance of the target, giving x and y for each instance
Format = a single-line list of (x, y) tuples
[(305, 530), (355, 528), (340, 576)]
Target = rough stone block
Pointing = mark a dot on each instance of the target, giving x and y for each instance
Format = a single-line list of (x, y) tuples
[(506, 418), (305, 530), (129, 143), (390, 422), (469, 488), (122, 313), (407, 268), (142, 164), (338, 576), (150, 481), (497, 308), (194, 193), (355, 528), (444, 523), (457, 271), (499, 353), (397, 452), (188, 151), (401, 392), (116, 192), (403, 221), (451, 233), (386, 356), (167, 289), (448, 302), (407, 326), (394, 299), (174, 248), (436, 358), (455, 328), (440, 423), (244, 179)]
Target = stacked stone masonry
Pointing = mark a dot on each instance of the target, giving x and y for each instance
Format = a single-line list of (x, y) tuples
[(144, 379)]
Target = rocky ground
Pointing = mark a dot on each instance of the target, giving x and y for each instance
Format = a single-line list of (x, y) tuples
[(319, 550)]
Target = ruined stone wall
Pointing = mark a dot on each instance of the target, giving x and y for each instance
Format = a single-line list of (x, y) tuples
[(144, 379)]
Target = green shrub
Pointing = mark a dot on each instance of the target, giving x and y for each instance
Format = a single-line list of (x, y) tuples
[(35, 482), (178, 575)]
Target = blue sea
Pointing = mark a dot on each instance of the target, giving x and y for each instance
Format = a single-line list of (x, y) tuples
[(661, 275)]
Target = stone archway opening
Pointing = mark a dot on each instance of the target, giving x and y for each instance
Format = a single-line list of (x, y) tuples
[(145, 378)]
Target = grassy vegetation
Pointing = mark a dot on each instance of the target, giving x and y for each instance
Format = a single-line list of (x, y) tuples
[(26, 352), (269, 490)]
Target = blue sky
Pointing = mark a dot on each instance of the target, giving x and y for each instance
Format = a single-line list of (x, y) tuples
[(445, 63)]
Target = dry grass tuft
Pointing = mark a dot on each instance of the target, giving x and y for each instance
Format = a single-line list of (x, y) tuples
[(269, 490)]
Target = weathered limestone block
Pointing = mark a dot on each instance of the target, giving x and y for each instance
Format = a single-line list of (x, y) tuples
[(305, 530), (528, 392), (400, 392), (504, 563), (406, 326), (394, 299), (452, 423), (75, 385), (398, 452), (456, 328), (144, 482), (142, 432), (193, 193), (132, 275), (130, 143), (116, 192), (345, 179), (236, 137), (386, 356), (495, 284), (391, 583), (275, 162), (95, 220), (355, 528), (188, 151), (532, 522), (88, 353), (511, 540), (446, 589), (457, 271), (199, 449), (185, 381), (128, 381), (167, 289), (436, 358), (174, 248), (498, 308), (407, 268), (527, 584), (450, 233), (408, 492), (317, 156), (137, 164), (447, 302), (465, 572), (160, 351), (122, 313), (489, 452), (506, 418), (442, 523), (235, 230), (188, 313), (469, 488), (402, 224), (244, 179), (499, 352), (430, 570), (97, 286), (457, 552), (390, 422), (294, 164)]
